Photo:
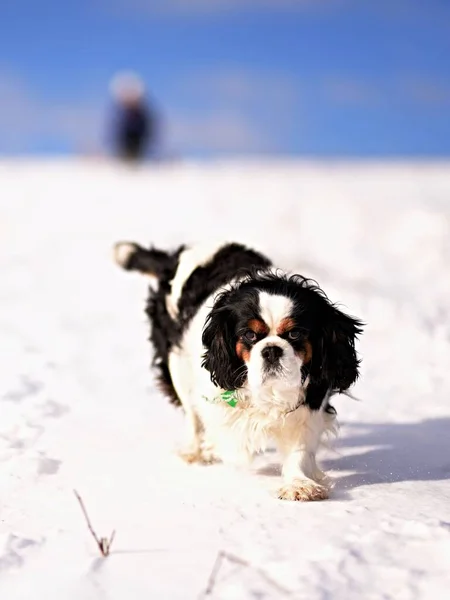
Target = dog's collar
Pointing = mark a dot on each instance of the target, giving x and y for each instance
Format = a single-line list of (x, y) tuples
[(229, 397)]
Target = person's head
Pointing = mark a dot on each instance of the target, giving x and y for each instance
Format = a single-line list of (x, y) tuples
[(127, 88)]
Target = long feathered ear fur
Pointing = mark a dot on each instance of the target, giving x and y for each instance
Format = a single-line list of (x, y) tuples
[(335, 365), (220, 359)]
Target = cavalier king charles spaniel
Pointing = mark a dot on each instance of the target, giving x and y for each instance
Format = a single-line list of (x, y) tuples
[(251, 353)]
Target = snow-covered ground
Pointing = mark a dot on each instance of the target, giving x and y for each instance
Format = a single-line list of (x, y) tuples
[(78, 408)]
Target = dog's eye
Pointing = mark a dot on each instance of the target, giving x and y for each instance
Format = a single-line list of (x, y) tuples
[(294, 334), (250, 336)]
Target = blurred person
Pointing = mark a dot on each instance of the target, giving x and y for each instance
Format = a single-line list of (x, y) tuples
[(134, 126)]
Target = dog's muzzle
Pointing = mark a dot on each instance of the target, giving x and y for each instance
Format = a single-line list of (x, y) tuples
[(272, 355)]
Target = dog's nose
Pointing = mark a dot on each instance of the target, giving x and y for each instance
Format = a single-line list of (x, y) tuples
[(272, 354)]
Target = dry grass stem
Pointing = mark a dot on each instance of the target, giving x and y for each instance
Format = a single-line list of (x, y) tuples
[(104, 544)]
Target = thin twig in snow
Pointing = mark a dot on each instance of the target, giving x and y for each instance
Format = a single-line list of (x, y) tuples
[(221, 556), (104, 544)]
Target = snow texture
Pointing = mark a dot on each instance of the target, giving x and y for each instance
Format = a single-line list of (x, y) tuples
[(78, 407)]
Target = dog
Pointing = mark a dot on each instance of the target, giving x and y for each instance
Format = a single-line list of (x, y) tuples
[(250, 352)]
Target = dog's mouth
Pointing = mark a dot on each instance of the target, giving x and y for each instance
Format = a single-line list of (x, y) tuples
[(273, 372), (281, 374)]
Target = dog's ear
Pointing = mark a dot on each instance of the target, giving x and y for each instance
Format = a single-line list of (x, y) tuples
[(227, 370), (335, 364)]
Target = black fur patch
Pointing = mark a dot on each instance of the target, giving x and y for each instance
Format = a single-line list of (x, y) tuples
[(163, 330)]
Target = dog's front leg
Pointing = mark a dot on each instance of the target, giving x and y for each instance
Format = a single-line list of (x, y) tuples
[(303, 480), (298, 440)]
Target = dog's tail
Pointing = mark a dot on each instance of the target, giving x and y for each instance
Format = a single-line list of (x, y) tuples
[(132, 257)]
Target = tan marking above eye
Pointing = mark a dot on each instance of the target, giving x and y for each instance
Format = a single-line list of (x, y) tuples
[(285, 325), (258, 326)]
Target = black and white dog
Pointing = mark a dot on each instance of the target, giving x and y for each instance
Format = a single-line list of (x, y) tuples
[(251, 353)]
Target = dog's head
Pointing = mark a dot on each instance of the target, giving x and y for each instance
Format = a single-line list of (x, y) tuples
[(279, 333)]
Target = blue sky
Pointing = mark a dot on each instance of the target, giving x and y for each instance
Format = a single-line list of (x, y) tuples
[(300, 77)]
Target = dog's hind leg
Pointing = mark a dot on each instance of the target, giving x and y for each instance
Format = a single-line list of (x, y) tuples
[(192, 452), (195, 449)]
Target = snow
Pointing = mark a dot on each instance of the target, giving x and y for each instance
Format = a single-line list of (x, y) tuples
[(79, 408)]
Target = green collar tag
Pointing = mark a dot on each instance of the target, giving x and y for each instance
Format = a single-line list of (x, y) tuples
[(229, 397)]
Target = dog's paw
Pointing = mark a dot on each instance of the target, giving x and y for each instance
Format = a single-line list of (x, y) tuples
[(122, 253), (303, 490), (200, 456)]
